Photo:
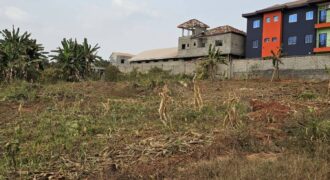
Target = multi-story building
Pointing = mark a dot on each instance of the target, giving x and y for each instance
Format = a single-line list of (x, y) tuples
[(195, 42), (197, 38), (323, 28), (295, 27)]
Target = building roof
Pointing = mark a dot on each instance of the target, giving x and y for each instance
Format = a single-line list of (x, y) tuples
[(122, 54), (224, 30), (289, 5), (193, 23), (156, 54)]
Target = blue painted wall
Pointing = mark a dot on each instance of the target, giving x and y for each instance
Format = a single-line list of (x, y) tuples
[(300, 29), (252, 35)]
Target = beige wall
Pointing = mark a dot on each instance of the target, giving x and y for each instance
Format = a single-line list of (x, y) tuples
[(307, 67)]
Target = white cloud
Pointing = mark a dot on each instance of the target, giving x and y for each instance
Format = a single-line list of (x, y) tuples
[(14, 13)]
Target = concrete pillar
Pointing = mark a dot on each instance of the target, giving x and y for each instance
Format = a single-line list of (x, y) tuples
[(184, 64)]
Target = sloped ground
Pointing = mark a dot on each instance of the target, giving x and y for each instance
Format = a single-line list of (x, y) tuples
[(100, 130)]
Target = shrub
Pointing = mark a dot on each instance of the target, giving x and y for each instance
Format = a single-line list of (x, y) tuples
[(112, 73), (20, 90), (51, 75), (307, 95), (317, 130)]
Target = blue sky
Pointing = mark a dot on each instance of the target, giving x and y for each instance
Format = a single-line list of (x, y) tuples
[(121, 25)]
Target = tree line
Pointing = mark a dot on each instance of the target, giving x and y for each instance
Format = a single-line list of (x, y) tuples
[(23, 58)]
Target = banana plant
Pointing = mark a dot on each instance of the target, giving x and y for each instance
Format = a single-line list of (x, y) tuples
[(276, 58), (75, 59), (21, 57), (209, 66)]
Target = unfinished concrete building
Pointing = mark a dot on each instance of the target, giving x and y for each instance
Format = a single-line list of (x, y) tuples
[(118, 58), (195, 42)]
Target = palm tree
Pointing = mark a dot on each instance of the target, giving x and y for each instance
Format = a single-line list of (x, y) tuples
[(20, 56)]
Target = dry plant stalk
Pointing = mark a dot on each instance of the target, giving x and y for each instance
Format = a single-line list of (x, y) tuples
[(232, 118), (163, 106), (20, 109), (329, 89), (198, 101), (106, 107)]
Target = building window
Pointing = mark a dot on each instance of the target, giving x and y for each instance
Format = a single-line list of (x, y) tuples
[(256, 24), (266, 40), (274, 39), (323, 16), (309, 15), (183, 46), (293, 18), (255, 44), (268, 20), (201, 44), (323, 40), (218, 43), (275, 18), (292, 40), (122, 61), (309, 39), (194, 43)]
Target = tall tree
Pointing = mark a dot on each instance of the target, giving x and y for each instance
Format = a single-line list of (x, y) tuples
[(20, 56)]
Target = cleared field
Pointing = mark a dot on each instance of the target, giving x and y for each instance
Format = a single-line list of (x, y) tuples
[(102, 130)]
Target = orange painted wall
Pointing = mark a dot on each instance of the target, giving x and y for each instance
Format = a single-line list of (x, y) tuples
[(271, 30)]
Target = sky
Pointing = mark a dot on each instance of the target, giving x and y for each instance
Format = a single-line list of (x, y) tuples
[(128, 26)]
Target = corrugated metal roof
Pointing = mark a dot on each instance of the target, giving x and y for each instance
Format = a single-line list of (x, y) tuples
[(192, 24), (156, 54), (289, 5)]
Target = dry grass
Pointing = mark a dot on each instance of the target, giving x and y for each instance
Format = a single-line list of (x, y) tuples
[(99, 130)]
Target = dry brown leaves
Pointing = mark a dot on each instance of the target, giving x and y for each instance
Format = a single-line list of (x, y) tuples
[(158, 146)]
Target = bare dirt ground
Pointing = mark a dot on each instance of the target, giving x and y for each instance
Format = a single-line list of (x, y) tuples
[(99, 130)]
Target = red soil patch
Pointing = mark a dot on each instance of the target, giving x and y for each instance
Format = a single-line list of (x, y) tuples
[(268, 111)]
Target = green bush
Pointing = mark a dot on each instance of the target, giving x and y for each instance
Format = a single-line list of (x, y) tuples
[(307, 95), (317, 130), (51, 75), (20, 90), (112, 74)]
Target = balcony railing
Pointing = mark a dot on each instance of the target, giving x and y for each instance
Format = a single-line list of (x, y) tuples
[(324, 48), (325, 44), (322, 25)]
